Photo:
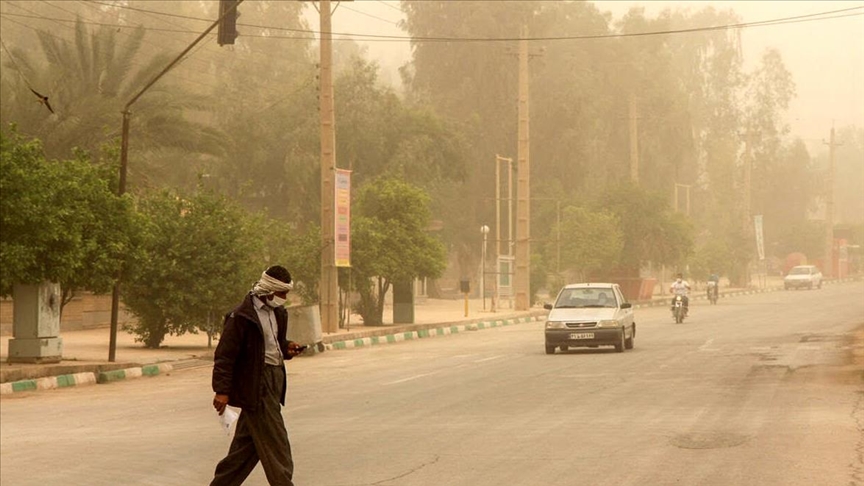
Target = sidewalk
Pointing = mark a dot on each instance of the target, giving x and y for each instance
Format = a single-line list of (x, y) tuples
[(85, 353)]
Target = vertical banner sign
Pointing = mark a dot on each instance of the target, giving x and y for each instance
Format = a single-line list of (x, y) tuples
[(760, 241), (342, 221)]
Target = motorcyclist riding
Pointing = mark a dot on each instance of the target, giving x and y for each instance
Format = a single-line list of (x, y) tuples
[(682, 288), (714, 286)]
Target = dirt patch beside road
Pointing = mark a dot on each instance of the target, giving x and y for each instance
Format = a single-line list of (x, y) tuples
[(848, 372)]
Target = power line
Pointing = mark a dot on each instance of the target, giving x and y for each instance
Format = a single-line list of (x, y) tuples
[(210, 86), (371, 16), (391, 6), (394, 38), (208, 47), (370, 37), (15, 64), (267, 96)]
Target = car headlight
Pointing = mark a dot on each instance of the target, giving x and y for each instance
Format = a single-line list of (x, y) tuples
[(555, 325), (607, 323)]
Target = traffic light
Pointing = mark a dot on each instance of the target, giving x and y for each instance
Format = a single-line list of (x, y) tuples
[(228, 27)]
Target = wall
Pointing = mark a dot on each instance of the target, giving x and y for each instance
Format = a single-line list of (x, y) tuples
[(85, 311)]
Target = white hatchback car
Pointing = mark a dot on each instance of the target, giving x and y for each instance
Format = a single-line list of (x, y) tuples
[(803, 276), (592, 315)]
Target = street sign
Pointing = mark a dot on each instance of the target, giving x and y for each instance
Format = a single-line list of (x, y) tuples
[(505, 275)]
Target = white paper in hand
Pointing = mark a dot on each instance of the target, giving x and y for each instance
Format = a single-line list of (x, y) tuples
[(228, 417)]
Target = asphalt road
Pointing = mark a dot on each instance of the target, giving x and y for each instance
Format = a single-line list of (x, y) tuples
[(758, 390)]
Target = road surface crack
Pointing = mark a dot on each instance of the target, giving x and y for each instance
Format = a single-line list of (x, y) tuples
[(407, 473)]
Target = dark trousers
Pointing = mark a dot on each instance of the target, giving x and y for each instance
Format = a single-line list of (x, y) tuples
[(260, 435)]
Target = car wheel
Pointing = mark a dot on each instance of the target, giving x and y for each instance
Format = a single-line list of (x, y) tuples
[(550, 349), (628, 343), (564, 349), (619, 346)]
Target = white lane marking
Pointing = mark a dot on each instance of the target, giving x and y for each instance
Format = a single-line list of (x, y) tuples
[(489, 359), (403, 380), (707, 345)]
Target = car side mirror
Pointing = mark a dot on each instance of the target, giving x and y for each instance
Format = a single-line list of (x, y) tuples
[(547, 306), (626, 305)]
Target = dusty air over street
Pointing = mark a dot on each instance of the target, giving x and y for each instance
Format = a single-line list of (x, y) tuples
[(431, 242), (760, 389)]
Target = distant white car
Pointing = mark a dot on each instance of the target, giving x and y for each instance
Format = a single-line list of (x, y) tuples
[(803, 276)]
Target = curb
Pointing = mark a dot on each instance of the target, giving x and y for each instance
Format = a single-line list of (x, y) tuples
[(48, 383), (81, 379), (445, 330), (128, 373)]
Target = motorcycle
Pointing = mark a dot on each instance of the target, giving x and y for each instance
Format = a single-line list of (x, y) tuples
[(679, 312), (712, 292)]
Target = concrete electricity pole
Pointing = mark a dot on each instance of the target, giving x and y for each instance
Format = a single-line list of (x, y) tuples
[(634, 141), (829, 208), (328, 286), (521, 281)]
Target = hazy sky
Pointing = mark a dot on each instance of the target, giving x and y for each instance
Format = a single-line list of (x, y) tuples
[(826, 57)]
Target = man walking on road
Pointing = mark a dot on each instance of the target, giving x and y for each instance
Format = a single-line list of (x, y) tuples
[(249, 373)]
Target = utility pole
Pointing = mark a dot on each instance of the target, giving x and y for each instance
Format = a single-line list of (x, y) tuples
[(521, 281), (747, 217), (328, 286), (829, 208), (634, 141)]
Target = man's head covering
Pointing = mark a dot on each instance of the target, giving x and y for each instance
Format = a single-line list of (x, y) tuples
[(274, 279)]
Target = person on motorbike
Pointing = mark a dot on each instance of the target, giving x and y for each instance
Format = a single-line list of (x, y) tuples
[(682, 288), (715, 279)]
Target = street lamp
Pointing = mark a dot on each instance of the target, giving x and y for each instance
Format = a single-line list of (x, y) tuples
[(485, 231)]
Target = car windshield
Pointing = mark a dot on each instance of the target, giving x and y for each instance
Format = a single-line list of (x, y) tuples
[(800, 271), (586, 297)]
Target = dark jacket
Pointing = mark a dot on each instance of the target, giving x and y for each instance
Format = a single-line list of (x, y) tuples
[(239, 359)]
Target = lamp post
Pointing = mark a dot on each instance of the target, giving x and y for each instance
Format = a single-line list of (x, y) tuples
[(485, 231)]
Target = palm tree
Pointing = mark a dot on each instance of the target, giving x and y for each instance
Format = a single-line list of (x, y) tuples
[(88, 81)]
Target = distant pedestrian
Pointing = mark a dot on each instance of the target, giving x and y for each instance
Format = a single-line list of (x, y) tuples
[(249, 373)]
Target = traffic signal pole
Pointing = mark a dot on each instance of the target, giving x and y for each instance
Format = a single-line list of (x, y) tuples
[(124, 159)]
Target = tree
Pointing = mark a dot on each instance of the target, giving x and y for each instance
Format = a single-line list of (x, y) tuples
[(61, 221), (390, 243), (198, 256), (651, 232), (300, 252), (589, 242), (87, 81)]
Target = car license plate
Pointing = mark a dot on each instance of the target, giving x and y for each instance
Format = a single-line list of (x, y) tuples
[(582, 335)]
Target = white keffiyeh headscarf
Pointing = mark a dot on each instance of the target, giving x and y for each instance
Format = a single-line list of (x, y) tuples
[(268, 285)]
